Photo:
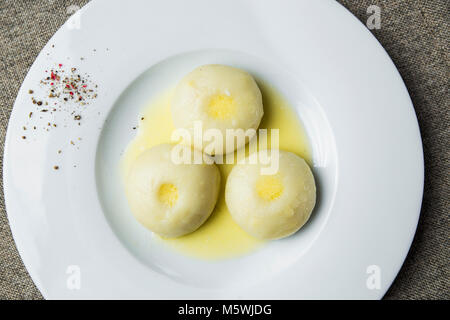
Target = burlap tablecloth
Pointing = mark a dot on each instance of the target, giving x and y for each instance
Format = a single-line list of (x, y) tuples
[(414, 33)]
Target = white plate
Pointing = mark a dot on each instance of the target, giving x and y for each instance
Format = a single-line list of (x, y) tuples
[(361, 124)]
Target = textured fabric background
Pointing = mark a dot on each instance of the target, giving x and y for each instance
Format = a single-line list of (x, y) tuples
[(416, 36)]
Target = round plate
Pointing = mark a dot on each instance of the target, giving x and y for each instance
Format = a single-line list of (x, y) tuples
[(71, 225)]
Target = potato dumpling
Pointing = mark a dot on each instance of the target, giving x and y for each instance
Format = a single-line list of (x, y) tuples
[(271, 206), (171, 199), (221, 97)]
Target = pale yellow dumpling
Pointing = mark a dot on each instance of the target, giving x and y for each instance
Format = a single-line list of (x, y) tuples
[(220, 97), (171, 199), (271, 206)]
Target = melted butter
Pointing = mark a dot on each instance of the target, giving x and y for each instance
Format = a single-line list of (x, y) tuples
[(222, 107), (168, 194), (219, 237), (269, 188)]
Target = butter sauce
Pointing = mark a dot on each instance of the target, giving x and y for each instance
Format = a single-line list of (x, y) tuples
[(219, 237)]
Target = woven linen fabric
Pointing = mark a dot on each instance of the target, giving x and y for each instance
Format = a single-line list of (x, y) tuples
[(414, 33)]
